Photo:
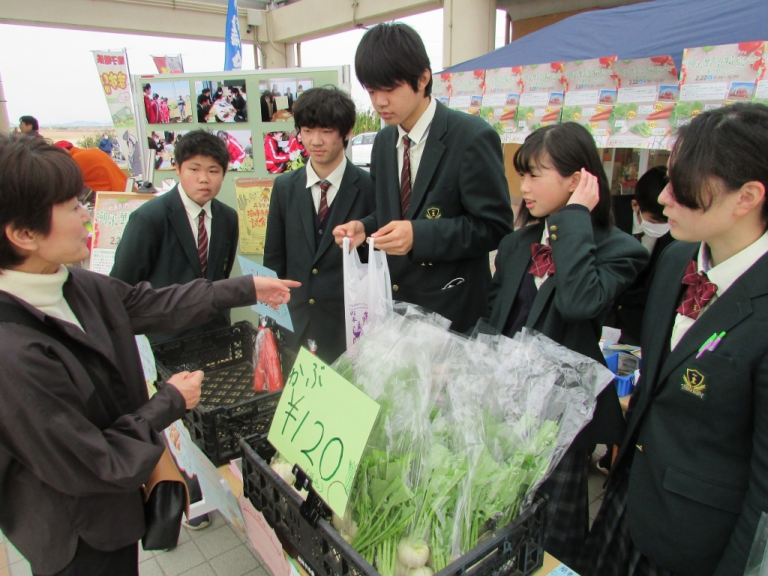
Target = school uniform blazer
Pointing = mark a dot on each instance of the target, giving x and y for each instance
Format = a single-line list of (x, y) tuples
[(592, 266), (67, 470), (290, 251), (697, 432), (630, 306), (460, 210), (158, 247)]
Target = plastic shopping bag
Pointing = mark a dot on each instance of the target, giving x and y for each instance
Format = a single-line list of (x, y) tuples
[(367, 290)]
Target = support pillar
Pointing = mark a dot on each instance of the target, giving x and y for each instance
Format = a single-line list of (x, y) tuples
[(469, 30), (5, 123)]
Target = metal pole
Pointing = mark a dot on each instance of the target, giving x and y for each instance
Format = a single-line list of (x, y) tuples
[(5, 124)]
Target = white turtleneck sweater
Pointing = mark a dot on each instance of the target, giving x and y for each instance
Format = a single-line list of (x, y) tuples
[(43, 291)]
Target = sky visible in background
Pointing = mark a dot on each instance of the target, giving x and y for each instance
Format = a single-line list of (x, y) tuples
[(50, 73)]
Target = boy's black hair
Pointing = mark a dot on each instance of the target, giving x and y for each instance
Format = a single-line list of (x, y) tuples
[(727, 145), (647, 192), (201, 143), (30, 121), (390, 54), (34, 176), (326, 107), (570, 147)]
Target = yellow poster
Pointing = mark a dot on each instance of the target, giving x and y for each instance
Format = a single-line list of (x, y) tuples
[(253, 196)]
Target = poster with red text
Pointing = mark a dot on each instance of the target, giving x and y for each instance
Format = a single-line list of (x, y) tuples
[(113, 74), (714, 76), (590, 95), (253, 195), (647, 96), (541, 98), (467, 91), (500, 99)]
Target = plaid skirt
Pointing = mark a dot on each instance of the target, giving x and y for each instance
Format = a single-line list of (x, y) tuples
[(609, 550), (567, 489)]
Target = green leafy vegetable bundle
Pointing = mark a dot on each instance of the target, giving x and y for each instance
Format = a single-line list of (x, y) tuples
[(468, 428)]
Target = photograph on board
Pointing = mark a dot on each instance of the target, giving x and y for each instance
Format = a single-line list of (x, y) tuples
[(283, 151), (278, 95), (240, 147), (161, 147), (167, 102), (221, 101)]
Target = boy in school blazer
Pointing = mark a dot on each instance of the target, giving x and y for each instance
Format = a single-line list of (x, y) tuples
[(160, 241), (299, 244), (442, 205)]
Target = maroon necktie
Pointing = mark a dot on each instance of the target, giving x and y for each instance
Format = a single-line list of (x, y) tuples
[(405, 177), (699, 292), (323, 209), (542, 260), (202, 243)]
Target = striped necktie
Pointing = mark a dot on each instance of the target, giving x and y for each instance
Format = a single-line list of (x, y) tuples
[(202, 243), (405, 177), (323, 209)]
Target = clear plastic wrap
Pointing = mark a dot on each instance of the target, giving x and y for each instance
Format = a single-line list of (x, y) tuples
[(468, 428), (267, 372)]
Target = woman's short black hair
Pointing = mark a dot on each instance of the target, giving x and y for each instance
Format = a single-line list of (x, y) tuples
[(390, 54), (201, 143), (730, 145), (34, 176), (570, 147), (647, 191), (326, 107)]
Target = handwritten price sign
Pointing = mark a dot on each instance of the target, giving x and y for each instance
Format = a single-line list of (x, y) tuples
[(322, 423)]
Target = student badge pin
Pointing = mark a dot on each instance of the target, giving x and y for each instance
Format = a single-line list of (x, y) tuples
[(433, 213), (693, 383)]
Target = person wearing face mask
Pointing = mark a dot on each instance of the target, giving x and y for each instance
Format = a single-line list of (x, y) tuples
[(650, 228)]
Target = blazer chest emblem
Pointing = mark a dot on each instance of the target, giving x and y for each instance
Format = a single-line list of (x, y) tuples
[(693, 383), (433, 213)]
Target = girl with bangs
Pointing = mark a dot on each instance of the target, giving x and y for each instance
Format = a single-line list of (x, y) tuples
[(559, 274), (690, 481)]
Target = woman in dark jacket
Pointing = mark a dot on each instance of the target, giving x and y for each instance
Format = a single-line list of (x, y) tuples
[(78, 433)]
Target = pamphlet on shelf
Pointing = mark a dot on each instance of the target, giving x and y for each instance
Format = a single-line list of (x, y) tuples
[(322, 424)]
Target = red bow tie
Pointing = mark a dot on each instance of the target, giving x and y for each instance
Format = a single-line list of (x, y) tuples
[(542, 260), (699, 292)]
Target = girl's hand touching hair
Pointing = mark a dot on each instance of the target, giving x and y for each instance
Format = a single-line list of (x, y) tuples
[(587, 192)]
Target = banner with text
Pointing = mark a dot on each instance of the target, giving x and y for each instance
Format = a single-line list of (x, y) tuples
[(113, 73), (169, 64)]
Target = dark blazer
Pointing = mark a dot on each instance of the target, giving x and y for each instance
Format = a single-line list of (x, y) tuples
[(699, 457), (630, 306), (592, 266), (460, 210), (67, 470), (621, 206), (317, 307), (158, 247)]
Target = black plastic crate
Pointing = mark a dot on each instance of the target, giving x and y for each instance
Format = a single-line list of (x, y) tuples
[(515, 549), (229, 409)]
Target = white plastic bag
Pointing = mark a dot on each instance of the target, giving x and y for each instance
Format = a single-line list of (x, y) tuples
[(367, 290)]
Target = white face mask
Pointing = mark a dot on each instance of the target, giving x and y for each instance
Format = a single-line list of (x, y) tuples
[(653, 230)]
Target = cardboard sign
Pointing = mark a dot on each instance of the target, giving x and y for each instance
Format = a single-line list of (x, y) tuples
[(500, 100), (322, 423), (644, 110), (591, 92), (282, 316), (541, 98)]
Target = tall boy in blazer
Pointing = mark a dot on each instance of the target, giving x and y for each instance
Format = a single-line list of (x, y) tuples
[(442, 199), (305, 207), (166, 242)]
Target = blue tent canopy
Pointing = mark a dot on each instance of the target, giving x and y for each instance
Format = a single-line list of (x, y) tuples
[(642, 30)]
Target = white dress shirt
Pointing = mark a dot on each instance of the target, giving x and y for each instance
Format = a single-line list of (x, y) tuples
[(418, 135), (723, 275), (193, 213), (335, 177)]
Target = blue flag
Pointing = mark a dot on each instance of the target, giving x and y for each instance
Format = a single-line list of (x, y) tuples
[(233, 56)]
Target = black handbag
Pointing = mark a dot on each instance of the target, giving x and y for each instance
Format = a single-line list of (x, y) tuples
[(165, 493)]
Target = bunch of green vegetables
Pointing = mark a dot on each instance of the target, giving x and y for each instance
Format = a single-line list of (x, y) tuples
[(468, 428)]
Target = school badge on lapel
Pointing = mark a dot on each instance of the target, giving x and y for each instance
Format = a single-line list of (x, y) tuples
[(693, 383), (433, 213)]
